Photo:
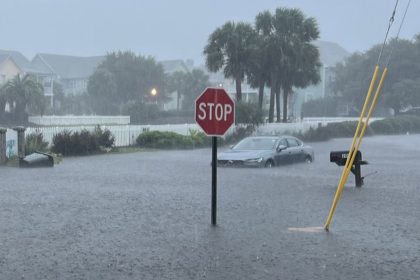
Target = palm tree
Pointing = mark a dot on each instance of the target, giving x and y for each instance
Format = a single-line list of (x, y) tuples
[(294, 61), (272, 53), (230, 47), (301, 59), (25, 95), (176, 82), (195, 83), (257, 74)]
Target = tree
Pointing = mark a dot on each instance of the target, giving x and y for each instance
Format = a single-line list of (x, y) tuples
[(189, 85), (103, 93), (257, 74), (176, 82), (123, 77), (272, 53), (294, 61), (400, 88), (230, 47), (25, 95)]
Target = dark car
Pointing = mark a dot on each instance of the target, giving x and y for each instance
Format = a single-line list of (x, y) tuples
[(266, 151)]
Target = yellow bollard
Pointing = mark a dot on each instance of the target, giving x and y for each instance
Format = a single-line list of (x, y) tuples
[(357, 139)]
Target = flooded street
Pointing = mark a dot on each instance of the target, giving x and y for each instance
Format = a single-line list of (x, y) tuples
[(146, 215)]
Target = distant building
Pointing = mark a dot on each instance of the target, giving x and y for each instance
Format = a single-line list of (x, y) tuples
[(330, 54), (12, 64), (172, 66), (72, 72)]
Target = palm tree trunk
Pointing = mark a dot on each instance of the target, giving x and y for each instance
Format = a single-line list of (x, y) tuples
[(278, 104), (285, 96), (177, 100), (261, 95), (238, 89), (272, 97)]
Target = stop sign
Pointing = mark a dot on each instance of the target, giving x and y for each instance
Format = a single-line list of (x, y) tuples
[(214, 111)]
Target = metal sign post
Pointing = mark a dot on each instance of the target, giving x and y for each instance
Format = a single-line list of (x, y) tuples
[(215, 114), (214, 182)]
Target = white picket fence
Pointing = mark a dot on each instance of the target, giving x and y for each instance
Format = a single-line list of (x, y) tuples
[(79, 120), (126, 135)]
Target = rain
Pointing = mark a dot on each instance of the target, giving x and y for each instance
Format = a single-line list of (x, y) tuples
[(209, 139)]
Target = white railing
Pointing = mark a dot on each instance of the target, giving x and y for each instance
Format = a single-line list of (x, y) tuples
[(79, 120), (126, 135)]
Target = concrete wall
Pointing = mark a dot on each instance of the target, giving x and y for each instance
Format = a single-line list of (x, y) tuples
[(11, 143)]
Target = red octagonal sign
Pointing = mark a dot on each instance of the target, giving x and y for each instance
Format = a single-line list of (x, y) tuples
[(214, 111)]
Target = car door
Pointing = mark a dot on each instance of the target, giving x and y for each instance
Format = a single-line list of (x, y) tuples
[(292, 149), (301, 155), (282, 156)]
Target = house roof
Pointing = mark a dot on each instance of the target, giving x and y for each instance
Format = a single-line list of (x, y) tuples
[(65, 66), (3, 57), (331, 53), (171, 66), (19, 59)]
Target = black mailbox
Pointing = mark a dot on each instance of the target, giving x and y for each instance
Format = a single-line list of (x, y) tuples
[(340, 158)]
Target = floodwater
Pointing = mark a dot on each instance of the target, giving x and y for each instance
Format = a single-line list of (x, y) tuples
[(146, 215)]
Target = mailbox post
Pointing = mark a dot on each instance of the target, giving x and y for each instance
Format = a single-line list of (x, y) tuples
[(340, 158), (3, 145), (20, 140)]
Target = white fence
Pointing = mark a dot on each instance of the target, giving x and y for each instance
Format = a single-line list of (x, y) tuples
[(79, 120), (126, 135)]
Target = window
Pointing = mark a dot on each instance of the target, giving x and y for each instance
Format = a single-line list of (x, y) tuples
[(292, 142), (283, 142)]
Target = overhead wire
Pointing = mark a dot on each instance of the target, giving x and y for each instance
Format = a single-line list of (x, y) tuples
[(391, 21), (398, 33)]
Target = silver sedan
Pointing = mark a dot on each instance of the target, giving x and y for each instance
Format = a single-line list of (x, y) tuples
[(266, 151)]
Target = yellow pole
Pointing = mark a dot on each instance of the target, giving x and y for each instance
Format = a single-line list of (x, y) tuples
[(372, 107), (359, 142), (352, 153)]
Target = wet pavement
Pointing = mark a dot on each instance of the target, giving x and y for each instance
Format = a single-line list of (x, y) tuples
[(147, 216)]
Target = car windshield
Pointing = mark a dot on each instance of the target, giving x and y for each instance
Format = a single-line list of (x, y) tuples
[(256, 144)]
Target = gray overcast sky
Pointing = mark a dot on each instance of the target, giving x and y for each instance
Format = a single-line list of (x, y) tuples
[(170, 29)]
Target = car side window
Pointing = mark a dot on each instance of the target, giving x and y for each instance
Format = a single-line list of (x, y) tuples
[(292, 142), (283, 142)]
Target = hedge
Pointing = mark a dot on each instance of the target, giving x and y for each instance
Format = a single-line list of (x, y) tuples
[(397, 125), (69, 143), (172, 140)]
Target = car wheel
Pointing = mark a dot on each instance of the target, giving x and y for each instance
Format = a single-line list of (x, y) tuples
[(269, 164), (308, 159)]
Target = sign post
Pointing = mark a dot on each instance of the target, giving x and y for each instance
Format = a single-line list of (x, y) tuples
[(215, 114)]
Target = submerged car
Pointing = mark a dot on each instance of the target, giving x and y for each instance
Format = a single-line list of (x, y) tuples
[(266, 151)]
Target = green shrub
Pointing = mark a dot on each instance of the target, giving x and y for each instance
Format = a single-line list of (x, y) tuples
[(332, 130), (239, 133), (172, 140), (83, 142), (35, 142), (397, 125), (248, 114)]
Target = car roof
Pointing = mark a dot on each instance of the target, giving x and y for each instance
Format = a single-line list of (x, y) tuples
[(273, 137)]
